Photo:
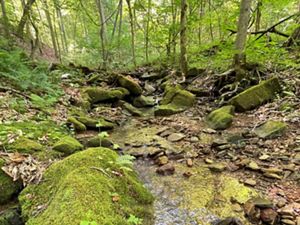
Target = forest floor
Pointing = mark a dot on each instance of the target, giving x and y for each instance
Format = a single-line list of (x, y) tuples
[(198, 175)]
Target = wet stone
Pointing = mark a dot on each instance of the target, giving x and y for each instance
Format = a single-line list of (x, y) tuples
[(167, 169)]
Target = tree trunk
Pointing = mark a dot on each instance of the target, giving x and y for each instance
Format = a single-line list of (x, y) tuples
[(24, 17), (5, 19), (50, 25), (147, 31), (132, 32), (102, 32), (183, 23), (258, 15), (174, 31), (241, 37)]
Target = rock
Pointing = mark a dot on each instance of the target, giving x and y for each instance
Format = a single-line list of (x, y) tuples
[(143, 101), (131, 85), (8, 188), (273, 175), (189, 162), (217, 167), (253, 166), (163, 160), (25, 145), (288, 222), (220, 119), (270, 129), (287, 210), (78, 126), (229, 221), (11, 216), (97, 94), (250, 182), (83, 183), (167, 169), (95, 142), (152, 76), (175, 100), (101, 123), (67, 145), (132, 110), (176, 137), (149, 88), (209, 161), (194, 139), (264, 157), (262, 203), (256, 95), (268, 216)]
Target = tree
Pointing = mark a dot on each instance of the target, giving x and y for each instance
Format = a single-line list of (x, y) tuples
[(132, 28), (183, 52), (241, 38), (24, 18)]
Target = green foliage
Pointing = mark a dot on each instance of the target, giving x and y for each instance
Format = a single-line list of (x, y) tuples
[(125, 162), (134, 220)]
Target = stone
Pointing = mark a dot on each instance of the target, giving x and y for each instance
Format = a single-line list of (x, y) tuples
[(229, 221), (167, 169), (143, 101), (256, 95), (253, 166), (26, 145), (131, 85), (189, 162), (98, 123), (67, 145), (78, 126), (270, 129), (162, 160), (272, 175), (208, 161), (268, 215), (175, 100), (264, 157), (174, 137), (221, 118), (80, 187), (132, 110), (250, 182), (194, 139), (262, 203), (217, 167), (98, 94), (8, 188)]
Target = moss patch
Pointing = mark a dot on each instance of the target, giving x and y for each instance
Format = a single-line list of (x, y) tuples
[(132, 86), (67, 145), (256, 95), (77, 192), (220, 119), (97, 94), (25, 145), (271, 129), (78, 126), (8, 188)]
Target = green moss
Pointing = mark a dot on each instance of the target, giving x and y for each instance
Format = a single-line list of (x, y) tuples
[(256, 95), (8, 188), (167, 110), (132, 110), (271, 129), (97, 94), (76, 192), (221, 119), (25, 145), (143, 101), (67, 145), (132, 86), (92, 123), (77, 124)]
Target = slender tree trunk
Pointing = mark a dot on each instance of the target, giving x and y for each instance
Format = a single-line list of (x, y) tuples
[(132, 27), (183, 24), (61, 26), (258, 16), (210, 21), (102, 32), (174, 31), (5, 19), (120, 23), (241, 37), (147, 31), (24, 17), (50, 25)]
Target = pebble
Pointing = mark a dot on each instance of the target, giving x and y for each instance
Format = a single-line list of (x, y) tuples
[(176, 137), (167, 169), (217, 167), (253, 166), (264, 157), (209, 161), (273, 175), (189, 162), (194, 139), (162, 160), (250, 182)]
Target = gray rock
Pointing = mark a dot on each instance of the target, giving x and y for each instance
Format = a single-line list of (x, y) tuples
[(270, 129)]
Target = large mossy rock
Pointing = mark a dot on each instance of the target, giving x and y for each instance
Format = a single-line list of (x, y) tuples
[(83, 187), (175, 100), (256, 95), (67, 145), (8, 188), (143, 101), (271, 129), (221, 119), (131, 85), (82, 123), (97, 94)]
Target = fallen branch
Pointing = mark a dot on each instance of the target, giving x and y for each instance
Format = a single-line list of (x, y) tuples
[(14, 91)]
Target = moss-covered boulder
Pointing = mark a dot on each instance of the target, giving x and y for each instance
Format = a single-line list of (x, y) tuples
[(92, 123), (67, 145), (256, 95), (175, 100), (131, 109), (271, 129), (97, 94), (96, 141), (131, 85), (83, 187), (78, 126), (25, 145), (143, 101), (8, 188), (221, 119)]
